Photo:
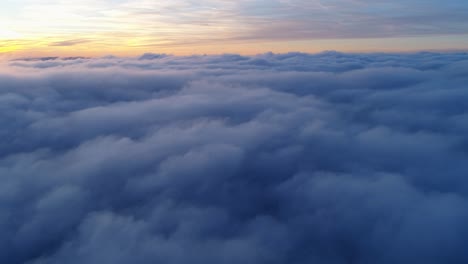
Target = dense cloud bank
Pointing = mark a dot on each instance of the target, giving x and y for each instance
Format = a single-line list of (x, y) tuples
[(277, 158)]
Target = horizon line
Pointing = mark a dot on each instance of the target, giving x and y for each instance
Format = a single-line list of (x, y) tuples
[(14, 57)]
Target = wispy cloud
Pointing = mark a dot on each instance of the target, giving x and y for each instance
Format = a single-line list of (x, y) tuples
[(70, 42)]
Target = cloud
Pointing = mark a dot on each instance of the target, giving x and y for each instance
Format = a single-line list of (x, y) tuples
[(69, 42), (274, 158)]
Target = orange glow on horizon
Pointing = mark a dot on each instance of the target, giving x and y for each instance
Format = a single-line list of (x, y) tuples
[(134, 47)]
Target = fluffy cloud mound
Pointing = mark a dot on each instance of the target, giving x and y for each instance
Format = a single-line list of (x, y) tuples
[(277, 158)]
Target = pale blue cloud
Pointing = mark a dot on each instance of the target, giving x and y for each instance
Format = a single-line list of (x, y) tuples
[(295, 158)]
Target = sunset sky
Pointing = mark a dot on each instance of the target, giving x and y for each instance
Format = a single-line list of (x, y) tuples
[(123, 27)]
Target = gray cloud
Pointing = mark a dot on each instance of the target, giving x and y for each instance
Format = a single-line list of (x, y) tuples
[(337, 19), (274, 158), (72, 42)]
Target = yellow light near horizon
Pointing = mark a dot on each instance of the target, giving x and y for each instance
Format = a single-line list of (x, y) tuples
[(8, 48), (8, 41)]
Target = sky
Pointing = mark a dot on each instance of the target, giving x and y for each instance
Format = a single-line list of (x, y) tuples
[(227, 132), (122, 27)]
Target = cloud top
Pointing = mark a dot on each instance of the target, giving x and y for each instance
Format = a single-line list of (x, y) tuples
[(276, 158)]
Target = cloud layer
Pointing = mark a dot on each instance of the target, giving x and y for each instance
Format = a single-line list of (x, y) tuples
[(277, 158)]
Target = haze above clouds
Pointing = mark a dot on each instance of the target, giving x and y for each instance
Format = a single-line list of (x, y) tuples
[(276, 158)]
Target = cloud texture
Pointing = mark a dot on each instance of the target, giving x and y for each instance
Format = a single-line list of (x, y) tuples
[(278, 158)]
